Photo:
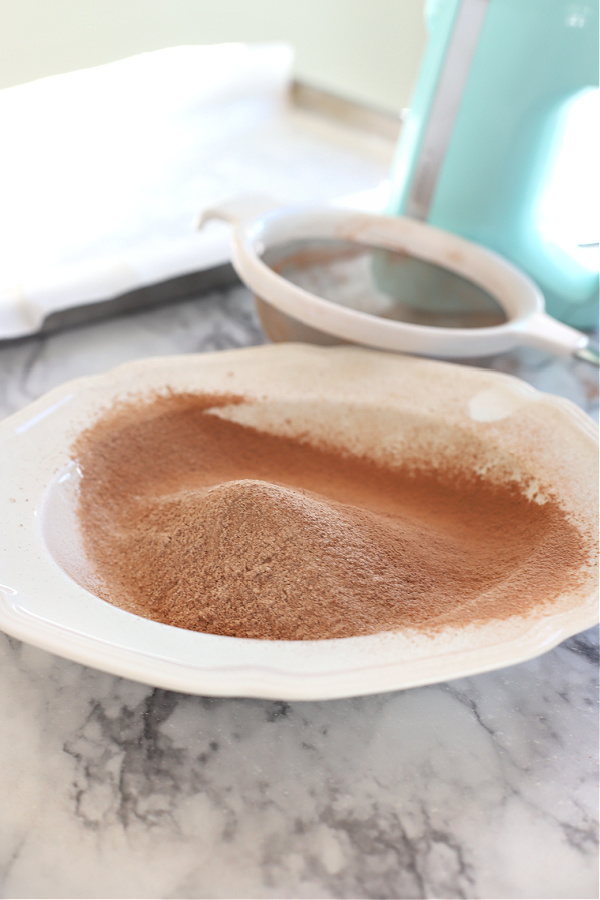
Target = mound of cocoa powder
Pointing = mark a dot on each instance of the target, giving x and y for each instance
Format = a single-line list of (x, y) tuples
[(199, 522)]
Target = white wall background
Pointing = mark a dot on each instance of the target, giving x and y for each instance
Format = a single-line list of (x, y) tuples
[(369, 50)]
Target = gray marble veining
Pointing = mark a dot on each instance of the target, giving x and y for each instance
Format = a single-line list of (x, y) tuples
[(484, 787)]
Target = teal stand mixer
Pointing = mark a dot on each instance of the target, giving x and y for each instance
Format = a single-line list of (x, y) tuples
[(480, 145)]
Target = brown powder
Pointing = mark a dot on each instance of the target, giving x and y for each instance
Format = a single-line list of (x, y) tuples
[(205, 524)]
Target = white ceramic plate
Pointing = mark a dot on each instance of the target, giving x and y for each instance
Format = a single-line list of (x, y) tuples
[(351, 390)]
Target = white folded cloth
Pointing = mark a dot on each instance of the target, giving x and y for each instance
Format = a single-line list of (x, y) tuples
[(104, 171)]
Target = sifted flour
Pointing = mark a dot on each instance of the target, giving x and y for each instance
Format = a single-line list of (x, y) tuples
[(205, 524)]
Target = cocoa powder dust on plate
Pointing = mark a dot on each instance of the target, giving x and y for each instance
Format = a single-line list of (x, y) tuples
[(199, 522)]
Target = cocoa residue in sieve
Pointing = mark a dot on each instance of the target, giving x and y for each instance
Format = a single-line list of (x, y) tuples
[(202, 523)]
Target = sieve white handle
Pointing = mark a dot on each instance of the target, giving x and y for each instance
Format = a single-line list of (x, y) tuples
[(542, 331)]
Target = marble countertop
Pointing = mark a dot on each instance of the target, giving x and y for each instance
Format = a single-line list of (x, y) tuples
[(483, 787)]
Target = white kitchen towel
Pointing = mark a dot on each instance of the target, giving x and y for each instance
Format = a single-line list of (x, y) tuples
[(104, 171)]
